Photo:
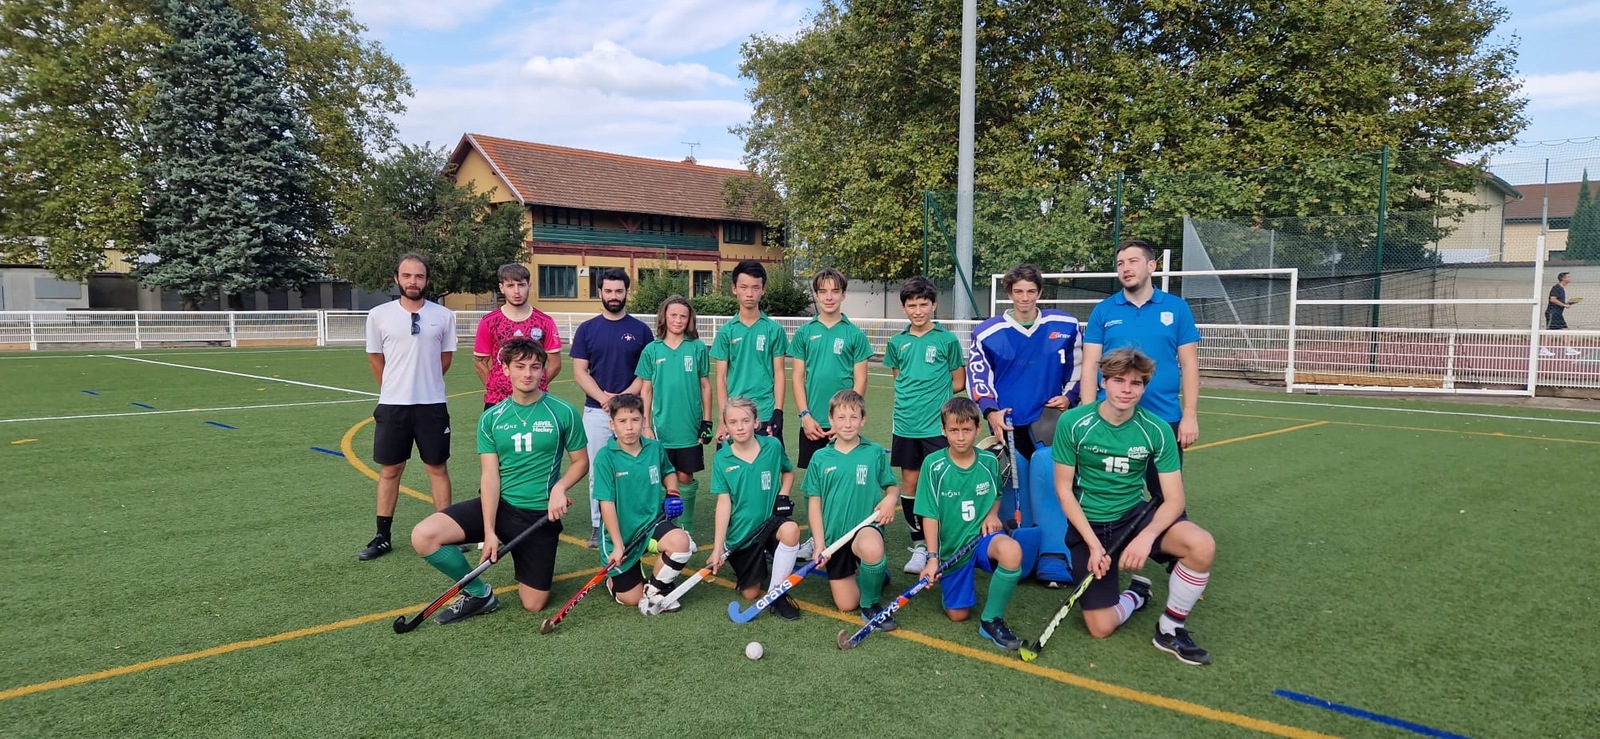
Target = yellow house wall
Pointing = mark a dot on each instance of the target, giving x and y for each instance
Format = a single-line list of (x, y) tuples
[(1478, 229), (1522, 242)]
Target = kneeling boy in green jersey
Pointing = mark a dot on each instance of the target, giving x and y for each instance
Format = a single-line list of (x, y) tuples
[(751, 477), (958, 495), (849, 480), (627, 480)]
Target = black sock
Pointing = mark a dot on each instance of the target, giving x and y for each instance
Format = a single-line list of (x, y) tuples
[(385, 527), (913, 521)]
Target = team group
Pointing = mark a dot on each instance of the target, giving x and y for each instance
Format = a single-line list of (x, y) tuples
[(1058, 491)]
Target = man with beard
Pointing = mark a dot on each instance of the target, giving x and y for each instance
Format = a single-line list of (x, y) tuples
[(410, 343), (516, 318), (605, 352), (1158, 325)]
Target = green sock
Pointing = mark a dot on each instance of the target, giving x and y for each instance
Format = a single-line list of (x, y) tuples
[(870, 579), (686, 491), (449, 560), (1002, 586)]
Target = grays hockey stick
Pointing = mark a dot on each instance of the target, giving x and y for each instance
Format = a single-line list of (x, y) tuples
[(551, 623), (705, 572), (850, 641), (1030, 654), (745, 615), (401, 625)]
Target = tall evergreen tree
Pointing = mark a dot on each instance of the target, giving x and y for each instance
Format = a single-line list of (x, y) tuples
[(1583, 234), (229, 182)]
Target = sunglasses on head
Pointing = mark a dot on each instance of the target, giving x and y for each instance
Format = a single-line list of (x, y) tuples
[(416, 323)]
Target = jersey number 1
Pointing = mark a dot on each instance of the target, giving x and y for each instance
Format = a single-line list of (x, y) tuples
[(522, 442)]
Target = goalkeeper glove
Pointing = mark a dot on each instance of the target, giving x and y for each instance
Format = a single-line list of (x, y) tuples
[(673, 505), (784, 507), (705, 432)]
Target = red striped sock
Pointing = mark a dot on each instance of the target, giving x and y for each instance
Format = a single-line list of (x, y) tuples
[(1184, 589)]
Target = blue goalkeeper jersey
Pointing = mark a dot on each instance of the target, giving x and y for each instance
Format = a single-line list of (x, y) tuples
[(1020, 367)]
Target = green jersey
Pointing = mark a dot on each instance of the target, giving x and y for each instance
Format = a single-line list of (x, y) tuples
[(674, 376), (958, 497), (633, 484), (924, 382), (1111, 460), (850, 484), (831, 356), (752, 486), (531, 440), (749, 351)]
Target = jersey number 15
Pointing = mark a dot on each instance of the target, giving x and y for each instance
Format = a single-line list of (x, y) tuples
[(1118, 465)]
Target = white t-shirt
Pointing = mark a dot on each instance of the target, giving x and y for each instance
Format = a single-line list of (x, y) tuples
[(413, 371)]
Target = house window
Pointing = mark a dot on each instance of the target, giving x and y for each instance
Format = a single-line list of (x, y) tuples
[(662, 224), (738, 233), (702, 282), (558, 282), (551, 215)]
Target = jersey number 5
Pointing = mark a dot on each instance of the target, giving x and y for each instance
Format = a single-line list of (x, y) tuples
[(969, 510), (1117, 464), (524, 442)]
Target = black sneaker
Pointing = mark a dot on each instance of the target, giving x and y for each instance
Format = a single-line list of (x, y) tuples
[(1179, 645), (996, 631), (376, 548), (1140, 587), (872, 611), (466, 607), (785, 609)]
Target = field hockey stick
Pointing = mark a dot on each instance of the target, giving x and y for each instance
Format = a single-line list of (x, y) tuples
[(851, 641), (1029, 654), (705, 572), (744, 615), (551, 623), (401, 625)]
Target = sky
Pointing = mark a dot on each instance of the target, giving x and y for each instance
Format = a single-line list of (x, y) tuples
[(661, 79)]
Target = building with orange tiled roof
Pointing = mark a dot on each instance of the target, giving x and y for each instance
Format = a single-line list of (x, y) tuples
[(590, 210)]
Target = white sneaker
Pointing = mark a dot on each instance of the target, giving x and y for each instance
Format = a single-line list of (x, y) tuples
[(649, 602), (1543, 352), (807, 552), (919, 559), (1571, 352)]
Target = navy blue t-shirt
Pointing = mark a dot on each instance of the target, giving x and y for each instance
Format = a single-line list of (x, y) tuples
[(612, 349)]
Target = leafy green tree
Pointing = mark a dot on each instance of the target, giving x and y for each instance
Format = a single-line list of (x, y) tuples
[(1221, 109), (228, 181), (1583, 233), (410, 203), (77, 77)]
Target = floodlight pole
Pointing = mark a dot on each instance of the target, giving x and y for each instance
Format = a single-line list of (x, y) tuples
[(964, 153)]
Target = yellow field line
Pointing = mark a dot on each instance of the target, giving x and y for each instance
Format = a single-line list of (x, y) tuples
[(1357, 424), (177, 659), (1313, 424)]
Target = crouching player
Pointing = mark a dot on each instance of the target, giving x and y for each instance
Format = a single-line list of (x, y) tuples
[(751, 478), (627, 480), (958, 497), (520, 442), (847, 481), (1101, 453)]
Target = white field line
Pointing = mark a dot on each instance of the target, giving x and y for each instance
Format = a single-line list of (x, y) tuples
[(241, 374), (185, 410)]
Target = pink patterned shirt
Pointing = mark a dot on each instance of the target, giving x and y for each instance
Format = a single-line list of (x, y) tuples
[(496, 329)]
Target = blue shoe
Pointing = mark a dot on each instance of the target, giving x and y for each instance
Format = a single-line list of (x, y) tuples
[(995, 630)]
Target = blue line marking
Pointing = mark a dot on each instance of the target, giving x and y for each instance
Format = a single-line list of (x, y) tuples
[(90, 392), (329, 452), (220, 425), (142, 405), (1368, 715)]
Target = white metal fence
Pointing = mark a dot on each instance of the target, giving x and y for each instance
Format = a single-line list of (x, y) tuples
[(1295, 357)]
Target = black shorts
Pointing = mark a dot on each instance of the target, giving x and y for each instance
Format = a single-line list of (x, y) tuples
[(688, 460), (809, 447), (1104, 592), (399, 426), (1152, 478), (845, 562), (750, 566), (632, 577), (534, 560), (907, 453), (1555, 321)]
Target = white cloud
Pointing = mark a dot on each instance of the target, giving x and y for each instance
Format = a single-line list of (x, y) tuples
[(611, 68), (1565, 17), (669, 29), (383, 15), (1563, 91)]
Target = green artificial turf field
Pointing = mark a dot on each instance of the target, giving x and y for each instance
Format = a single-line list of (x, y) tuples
[(167, 576)]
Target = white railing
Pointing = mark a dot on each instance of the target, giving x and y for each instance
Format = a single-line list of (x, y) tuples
[(1489, 361)]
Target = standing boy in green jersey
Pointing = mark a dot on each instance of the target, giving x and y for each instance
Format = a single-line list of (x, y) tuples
[(929, 367), (751, 477), (749, 352), (675, 384), (1101, 451), (830, 354), (851, 480), (958, 496), (520, 443), (627, 480)]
